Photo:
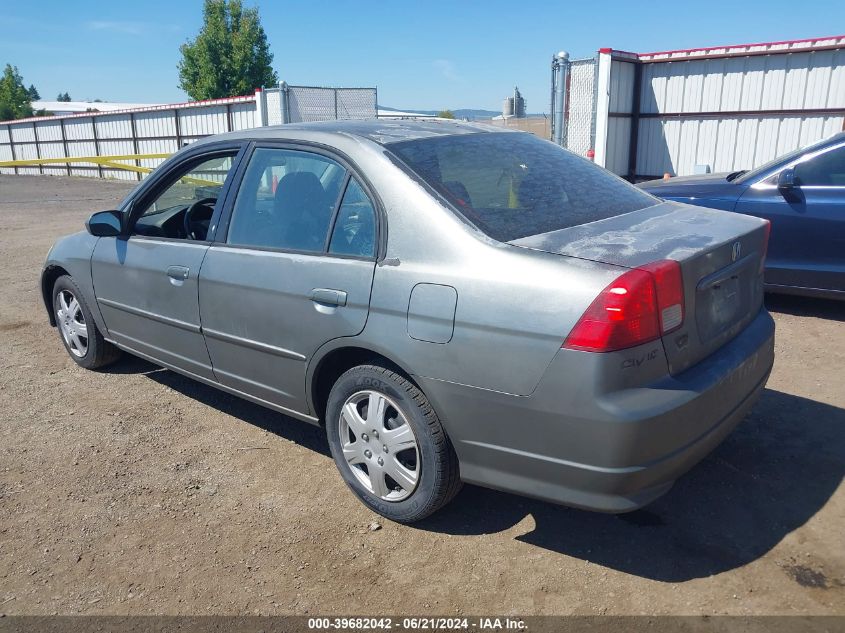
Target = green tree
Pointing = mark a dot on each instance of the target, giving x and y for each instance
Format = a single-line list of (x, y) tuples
[(33, 93), (63, 97), (446, 114), (230, 55), (14, 97)]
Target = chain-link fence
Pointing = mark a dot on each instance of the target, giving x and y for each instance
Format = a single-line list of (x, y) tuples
[(299, 104), (274, 105), (581, 106), (574, 103)]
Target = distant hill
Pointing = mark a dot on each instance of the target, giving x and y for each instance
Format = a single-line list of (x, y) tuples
[(465, 113)]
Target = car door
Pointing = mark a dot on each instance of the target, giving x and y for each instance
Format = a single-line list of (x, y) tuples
[(807, 241), (291, 269), (145, 281)]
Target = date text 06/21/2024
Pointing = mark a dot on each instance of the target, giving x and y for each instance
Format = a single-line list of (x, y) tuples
[(417, 623)]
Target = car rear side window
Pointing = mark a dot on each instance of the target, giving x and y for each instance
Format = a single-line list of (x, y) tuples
[(512, 185), (286, 200), (355, 227)]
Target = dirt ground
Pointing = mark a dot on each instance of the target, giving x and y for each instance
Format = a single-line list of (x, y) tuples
[(135, 490)]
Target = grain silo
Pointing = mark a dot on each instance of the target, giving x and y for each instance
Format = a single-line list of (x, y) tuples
[(507, 107), (518, 104)]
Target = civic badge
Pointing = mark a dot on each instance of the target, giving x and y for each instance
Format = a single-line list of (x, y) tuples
[(736, 251)]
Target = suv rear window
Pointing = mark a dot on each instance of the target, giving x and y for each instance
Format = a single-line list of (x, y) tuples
[(512, 185)]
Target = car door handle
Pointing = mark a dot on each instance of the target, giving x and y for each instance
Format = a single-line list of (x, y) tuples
[(328, 296), (178, 272)]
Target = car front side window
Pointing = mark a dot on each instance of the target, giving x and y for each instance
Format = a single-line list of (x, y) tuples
[(824, 170), (183, 209), (286, 200)]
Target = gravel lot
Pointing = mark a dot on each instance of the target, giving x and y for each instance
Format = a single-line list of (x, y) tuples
[(134, 490)]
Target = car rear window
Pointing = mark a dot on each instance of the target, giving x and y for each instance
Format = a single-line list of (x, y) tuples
[(512, 185)]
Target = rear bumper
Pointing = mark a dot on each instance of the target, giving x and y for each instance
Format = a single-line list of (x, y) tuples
[(581, 442)]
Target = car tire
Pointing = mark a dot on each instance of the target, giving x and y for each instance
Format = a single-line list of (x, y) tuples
[(77, 330), (398, 460)]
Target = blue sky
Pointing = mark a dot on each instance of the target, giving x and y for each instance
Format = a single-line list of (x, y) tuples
[(419, 55)]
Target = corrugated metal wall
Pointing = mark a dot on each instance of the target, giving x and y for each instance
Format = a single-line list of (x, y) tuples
[(164, 129), (159, 130), (620, 102), (736, 108)]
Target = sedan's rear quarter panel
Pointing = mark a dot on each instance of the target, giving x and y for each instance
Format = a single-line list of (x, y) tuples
[(514, 307)]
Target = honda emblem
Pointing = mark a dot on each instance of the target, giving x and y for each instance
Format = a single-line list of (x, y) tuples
[(736, 251)]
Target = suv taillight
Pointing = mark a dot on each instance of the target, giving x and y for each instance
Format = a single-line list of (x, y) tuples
[(640, 306)]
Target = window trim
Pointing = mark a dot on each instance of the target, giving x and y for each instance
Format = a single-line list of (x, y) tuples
[(161, 180), (349, 179), (331, 153), (336, 211)]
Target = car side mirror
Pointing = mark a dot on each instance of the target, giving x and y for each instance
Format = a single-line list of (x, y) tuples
[(787, 180), (105, 224)]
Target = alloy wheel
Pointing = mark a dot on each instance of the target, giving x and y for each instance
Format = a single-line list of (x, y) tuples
[(379, 445), (71, 322)]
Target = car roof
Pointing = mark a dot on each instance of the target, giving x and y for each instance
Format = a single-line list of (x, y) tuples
[(381, 131), (833, 139)]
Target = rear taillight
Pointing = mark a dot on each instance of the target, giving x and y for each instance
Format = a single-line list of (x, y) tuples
[(670, 293), (638, 307), (767, 231)]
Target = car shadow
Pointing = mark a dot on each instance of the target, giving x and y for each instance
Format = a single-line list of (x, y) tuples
[(806, 306), (769, 477), (297, 431)]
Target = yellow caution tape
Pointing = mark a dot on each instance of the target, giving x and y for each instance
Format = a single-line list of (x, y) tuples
[(105, 161), (97, 160)]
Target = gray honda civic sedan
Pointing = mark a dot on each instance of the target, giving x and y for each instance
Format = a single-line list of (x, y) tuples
[(452, 302)]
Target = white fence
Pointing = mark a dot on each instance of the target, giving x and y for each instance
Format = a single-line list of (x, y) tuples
[(722, 109), (163, 129)]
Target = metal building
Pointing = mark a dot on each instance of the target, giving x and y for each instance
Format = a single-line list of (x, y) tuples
[(716, 109)]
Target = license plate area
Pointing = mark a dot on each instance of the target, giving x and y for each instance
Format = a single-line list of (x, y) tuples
[(723, 299)]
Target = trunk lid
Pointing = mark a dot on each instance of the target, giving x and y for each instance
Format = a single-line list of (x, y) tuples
[(719, 253)]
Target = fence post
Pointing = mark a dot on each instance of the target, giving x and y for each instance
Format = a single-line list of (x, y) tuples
[(602, 105), (64, 143), (261, 119), (560, 72), (177, 129), (37, 147), (135, 143), (284, 104), (96, 145), (12, 146)]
